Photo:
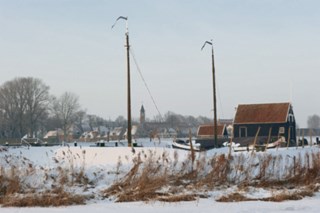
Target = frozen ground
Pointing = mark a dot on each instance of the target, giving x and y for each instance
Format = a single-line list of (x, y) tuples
[(203, 205), (98, 160)]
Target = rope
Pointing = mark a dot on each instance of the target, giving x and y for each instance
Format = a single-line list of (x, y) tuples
[(153, 100), (145, 83)]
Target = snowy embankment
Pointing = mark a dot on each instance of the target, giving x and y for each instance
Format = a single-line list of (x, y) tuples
[(104, 175)]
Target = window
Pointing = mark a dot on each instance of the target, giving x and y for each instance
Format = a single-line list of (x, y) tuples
[(281, 130), (242, 132), (291, 118)]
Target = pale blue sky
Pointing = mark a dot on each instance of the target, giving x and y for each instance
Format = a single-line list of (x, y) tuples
[(265, 51)]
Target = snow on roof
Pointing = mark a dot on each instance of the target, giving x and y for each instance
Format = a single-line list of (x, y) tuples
[(53, 133)]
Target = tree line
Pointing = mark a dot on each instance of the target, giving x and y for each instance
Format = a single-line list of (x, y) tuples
[(313, 121), (28, 108)]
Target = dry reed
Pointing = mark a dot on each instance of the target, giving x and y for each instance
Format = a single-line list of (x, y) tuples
[(154, 177)]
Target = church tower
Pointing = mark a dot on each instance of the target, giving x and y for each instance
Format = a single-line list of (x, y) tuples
[(142, 115)]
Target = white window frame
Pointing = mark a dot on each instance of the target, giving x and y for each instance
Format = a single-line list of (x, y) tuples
[(282, 130)]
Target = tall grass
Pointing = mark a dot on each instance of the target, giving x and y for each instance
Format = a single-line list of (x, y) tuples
[(163, 177), (24, 184), (150, 180)]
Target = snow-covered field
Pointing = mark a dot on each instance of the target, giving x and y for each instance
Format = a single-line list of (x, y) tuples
[(203, 205), (104, 165)]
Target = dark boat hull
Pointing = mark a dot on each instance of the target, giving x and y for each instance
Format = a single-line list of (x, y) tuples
[(208, 143), (180, 144)]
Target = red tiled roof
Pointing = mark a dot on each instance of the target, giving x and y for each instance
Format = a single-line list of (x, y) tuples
[(208, 130), (262, 113)]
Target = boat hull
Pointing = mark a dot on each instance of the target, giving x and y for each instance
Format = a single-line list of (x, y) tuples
[(180, 144)]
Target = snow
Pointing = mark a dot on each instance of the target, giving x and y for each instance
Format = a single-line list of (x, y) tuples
[(202, 205), (105, 161)]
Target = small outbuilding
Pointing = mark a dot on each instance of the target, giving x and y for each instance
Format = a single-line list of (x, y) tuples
[(276, 118), (207, 131), (205, 135)]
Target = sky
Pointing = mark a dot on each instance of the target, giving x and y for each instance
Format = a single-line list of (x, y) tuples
[(265, 51)]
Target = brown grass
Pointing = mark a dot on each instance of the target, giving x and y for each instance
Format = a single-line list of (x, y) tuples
[(9, 184), (15, 190), (154, 177), (147, 180), (295, 195), (177, 198), (141, 183), (151, 179), (43, 200), (284, 195), (218, 174), (234, 197)]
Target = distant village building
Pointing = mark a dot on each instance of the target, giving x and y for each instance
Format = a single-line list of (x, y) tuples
[(275, 117), (168, 133), (142, 115), (102, 130), (160, 129), (134, 130), (90, 136), (117, 133), (55, 136)]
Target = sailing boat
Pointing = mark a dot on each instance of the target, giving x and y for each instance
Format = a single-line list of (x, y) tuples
[(203, 144), (215, 125), (208, 143)]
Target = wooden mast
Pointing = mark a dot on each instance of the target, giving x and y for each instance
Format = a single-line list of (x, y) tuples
[(214, 102), (215, 125), (129, 136)]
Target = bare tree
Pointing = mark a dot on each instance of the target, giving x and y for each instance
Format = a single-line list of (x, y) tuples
[(37, 102), (204, 120), (173, 119), (192, 121), (314, 121), (65, 109), (157, 118), (23, 102), (90, 121), (120, 121), (80, 116), (95, 121), (12, 106)]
